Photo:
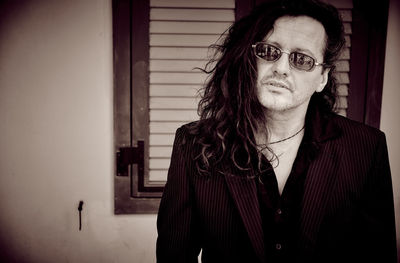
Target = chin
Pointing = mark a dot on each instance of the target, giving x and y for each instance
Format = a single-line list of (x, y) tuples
[(276, 105)]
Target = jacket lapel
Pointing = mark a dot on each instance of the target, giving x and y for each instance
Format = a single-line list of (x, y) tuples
[(317, 192), (319, 181), (244, 192)]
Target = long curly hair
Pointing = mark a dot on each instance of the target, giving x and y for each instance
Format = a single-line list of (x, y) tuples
[(229, 109)]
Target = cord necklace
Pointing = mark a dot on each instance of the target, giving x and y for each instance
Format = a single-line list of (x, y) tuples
[(285, 139)]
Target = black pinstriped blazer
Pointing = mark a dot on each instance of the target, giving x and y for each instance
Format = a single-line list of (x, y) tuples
[(347, 207)]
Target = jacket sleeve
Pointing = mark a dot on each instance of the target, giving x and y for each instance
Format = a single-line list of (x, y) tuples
[(379, 231), (177, 239)]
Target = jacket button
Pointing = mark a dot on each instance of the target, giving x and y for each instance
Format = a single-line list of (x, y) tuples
[(278, 246), (278, 211)]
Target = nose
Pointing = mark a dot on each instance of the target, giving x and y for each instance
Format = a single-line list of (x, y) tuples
[(282, 66)]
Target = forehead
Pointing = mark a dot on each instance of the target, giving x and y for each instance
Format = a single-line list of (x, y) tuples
[(298, 33)]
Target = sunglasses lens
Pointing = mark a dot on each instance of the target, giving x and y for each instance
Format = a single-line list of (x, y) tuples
[(267, 52), (301, 61)]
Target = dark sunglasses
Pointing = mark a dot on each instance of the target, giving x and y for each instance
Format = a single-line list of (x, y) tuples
[(297, 60)]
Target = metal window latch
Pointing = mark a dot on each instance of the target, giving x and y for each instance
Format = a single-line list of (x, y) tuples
[(130, 155)]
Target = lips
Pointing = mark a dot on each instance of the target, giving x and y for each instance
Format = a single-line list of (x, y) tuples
[(277, 84)]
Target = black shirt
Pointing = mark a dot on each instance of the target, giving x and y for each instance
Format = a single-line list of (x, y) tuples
[(280, 213)]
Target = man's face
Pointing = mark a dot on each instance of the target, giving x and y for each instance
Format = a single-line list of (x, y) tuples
[(280, 87)]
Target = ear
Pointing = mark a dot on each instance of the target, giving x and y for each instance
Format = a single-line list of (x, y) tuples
[(324, 80)]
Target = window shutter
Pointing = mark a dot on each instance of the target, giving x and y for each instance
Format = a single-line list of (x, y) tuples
[(180, 34), (343, 65)]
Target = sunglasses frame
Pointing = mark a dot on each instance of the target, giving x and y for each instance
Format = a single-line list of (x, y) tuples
[(289, 53)]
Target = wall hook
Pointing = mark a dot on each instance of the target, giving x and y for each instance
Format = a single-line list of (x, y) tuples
[(80, 215)]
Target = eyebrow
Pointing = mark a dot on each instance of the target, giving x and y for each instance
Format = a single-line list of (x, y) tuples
[(305, 51), (300, 50)]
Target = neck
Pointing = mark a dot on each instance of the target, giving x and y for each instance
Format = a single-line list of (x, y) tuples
[(283, 124)]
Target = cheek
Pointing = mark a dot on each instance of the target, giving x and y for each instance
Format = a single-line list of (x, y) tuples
[(259, 71), (263, 70), (308, 85), (317, 83), (262, 73)]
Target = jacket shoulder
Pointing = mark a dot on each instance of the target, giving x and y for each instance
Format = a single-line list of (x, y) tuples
[(186, 134), (355, 130)]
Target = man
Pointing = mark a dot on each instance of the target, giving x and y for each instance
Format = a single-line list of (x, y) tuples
[(270, 173)]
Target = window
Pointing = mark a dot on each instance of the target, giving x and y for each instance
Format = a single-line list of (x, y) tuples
[(157, 45)]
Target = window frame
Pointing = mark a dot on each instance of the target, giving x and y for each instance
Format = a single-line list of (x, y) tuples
[(367, 71), (132, 191)]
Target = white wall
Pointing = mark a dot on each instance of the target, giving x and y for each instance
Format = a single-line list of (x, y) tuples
[(56, 137), (56, 134), (390, 118)]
